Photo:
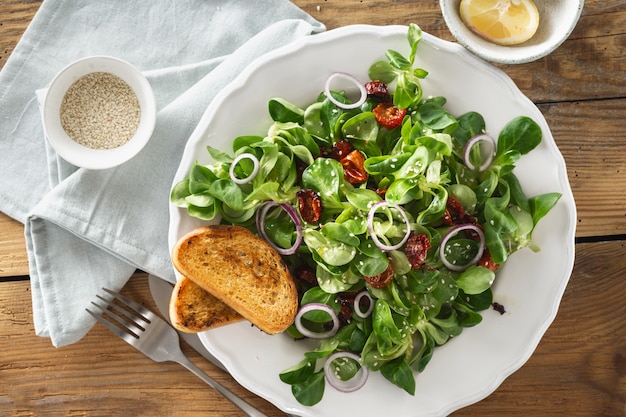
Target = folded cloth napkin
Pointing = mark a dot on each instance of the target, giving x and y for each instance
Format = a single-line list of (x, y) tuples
[(89, 229)]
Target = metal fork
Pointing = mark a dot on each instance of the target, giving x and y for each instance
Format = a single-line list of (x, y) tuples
[(156, 339)]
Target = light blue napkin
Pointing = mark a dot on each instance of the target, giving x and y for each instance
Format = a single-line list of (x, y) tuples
[(88, 229)]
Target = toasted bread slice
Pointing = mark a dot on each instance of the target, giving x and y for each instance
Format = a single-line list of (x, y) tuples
[(193, 309), (242, 270)]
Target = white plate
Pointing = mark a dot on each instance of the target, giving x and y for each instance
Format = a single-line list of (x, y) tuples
[(530, 286)]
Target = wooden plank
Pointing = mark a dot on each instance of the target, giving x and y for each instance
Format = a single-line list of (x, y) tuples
[(14, 18), (588, 66), (590, 136), (578, 369), (101, 375), (592, 69), (586, 131), (13, 258)]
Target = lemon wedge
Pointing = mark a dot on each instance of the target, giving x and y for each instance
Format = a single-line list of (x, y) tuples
[(503, 22)]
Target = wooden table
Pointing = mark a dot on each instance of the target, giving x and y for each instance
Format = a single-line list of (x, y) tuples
[(578, 369)]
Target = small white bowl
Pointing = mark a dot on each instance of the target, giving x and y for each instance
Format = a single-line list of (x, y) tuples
[(83, 156), (557, 19)]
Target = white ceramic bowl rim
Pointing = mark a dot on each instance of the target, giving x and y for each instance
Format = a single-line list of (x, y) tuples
[(82, 156), (558, 19)]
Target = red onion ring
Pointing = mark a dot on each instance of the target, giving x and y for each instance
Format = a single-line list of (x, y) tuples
[(357, 305), (260, 225), (316, 307), (453, 232), (370, 226), (354, 383), (255, 170), (490, 155), (327, 90)]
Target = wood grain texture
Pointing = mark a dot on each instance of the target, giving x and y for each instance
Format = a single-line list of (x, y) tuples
[(13, 258), (579, 367), (101, 375)]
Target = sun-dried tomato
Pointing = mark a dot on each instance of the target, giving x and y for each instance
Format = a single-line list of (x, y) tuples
[(416, 249), (345, 314), (354, 168), (498, 307), (377, 90), (310, 205), (307, 275), (389, 116), (486, 261), (341, 149), (454, 213), (346, 299), (381, 280)]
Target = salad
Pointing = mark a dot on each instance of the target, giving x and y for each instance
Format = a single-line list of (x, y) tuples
[(393, 215)]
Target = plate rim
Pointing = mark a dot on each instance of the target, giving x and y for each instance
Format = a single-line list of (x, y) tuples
[(383, 31)]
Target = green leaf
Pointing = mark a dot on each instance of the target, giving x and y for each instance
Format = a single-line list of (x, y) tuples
[(403, 191), (436, 118), (476, 302), (469, 125), (517, 194), (203, 199), (387, 334), (325, 176), (310, 391), (386, 164), (200, 179), (331, 251), (398, 60), (407, 92), (399, 373), (362, 198), (414, 36), (370, 266), (298, 373), (495, 244), (521, 135), (228, 192), (219, 156), (180, 192), (203, 213), (475, 280), (313, 120), (361, 127), (284, 111), (382, 71), (540, 205), (464, 195), (340, 233), (245, 141), (336, 283)]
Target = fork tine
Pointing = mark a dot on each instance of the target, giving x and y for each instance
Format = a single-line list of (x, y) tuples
[(135, 323), (124, 335), (143, 311), (131, 314)]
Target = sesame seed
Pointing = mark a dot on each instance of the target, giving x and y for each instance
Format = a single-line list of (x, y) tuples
[(100, 111)]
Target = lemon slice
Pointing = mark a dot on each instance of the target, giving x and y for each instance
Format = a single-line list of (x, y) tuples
[(503, 22)]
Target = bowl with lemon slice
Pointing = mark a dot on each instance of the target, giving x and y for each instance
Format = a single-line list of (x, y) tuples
[(511, 31)]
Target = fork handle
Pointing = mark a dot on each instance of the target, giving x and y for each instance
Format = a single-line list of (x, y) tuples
[(232, 397)]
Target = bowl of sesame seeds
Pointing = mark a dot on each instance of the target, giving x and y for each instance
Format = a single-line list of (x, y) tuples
[(99, 112)]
